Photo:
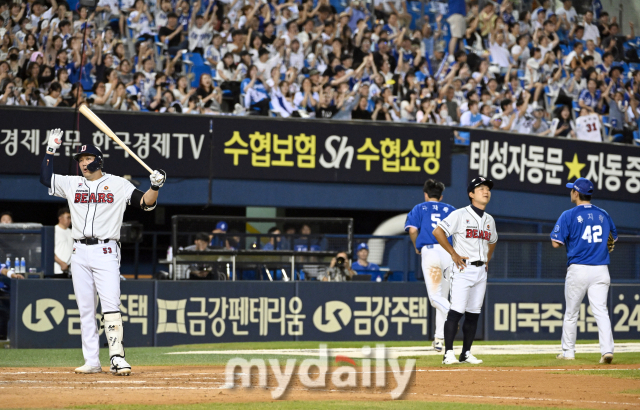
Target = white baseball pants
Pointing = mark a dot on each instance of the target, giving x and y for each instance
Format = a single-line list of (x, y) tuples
[(435, 260), (467, 288), (593, 281), (95, 268)]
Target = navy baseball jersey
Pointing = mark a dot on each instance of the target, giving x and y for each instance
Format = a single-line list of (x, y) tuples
[(584, 230), (425, 217)]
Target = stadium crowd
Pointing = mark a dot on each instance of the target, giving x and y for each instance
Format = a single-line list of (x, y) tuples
[(460, 62)]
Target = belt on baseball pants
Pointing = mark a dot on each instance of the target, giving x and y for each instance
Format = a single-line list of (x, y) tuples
[(92, 241), (476, 263)]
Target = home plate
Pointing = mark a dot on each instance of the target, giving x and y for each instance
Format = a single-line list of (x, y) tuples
[(395, 352)]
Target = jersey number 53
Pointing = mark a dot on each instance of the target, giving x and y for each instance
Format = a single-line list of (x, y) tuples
[(592, 233)]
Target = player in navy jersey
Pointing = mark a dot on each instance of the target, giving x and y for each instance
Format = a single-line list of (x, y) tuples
[(588, 233), (421, 222)]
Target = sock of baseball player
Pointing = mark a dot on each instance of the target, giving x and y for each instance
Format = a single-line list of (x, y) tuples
[(468, 332), (451, 328), (113, 331)]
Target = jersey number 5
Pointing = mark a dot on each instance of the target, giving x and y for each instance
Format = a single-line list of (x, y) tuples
[(594, 233), (435, 218), (106, 250)]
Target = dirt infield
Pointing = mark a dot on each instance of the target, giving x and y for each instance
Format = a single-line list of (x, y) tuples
[(59, 387)]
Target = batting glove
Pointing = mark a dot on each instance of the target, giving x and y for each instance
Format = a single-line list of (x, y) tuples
[(157, 179), (55, 139)]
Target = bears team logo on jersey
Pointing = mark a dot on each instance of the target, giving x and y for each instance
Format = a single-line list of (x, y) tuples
[(93, 198), (479, 234)]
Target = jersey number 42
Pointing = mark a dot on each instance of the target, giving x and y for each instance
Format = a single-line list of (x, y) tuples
[(592, 233)]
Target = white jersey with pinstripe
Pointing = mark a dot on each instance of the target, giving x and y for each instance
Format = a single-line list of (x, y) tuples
[(472, 234), (97, 207)]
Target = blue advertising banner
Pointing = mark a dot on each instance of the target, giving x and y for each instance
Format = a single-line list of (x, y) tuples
[(216, 312), (624, 310), (44, 314), (535, 312), (364, 311), (189, 312)]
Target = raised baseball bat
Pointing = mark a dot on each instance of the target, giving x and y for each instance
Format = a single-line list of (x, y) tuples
[(91, 116)]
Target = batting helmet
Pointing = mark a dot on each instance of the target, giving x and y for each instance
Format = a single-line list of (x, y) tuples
[(91, 150)]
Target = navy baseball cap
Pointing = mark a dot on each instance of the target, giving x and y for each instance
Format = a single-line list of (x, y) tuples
[(362, 246), (222, 225), (582, 185), (475, 182)]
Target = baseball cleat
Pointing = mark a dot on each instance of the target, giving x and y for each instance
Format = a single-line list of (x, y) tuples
[(86, 369), (471, 359), (119, 366), (437, 344), (563, 357), (606, 358), (449, 358)]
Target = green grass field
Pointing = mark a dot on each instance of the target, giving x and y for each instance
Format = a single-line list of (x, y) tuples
[(155, 356)]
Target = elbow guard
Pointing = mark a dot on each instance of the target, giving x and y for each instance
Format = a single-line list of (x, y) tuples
[(146, 207), (137, 198), (46, 170)]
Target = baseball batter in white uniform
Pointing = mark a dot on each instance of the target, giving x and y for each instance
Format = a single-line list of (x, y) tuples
[(589, 234), (421, 222), (97, 202), (474, 239)]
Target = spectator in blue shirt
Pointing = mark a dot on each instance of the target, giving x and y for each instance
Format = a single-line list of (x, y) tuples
[(362, 264), (274, 243), (591, 98), (218, 237), (356, 13)]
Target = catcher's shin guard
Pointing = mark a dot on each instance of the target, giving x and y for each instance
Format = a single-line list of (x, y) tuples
[(113, 331)]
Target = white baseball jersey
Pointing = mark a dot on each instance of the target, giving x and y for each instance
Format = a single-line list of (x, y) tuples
[(471, 233), (97, 207), (588, 128)]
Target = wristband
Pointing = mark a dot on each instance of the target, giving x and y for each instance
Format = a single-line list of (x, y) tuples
[(155, 188), (51, 150), (10, 274)]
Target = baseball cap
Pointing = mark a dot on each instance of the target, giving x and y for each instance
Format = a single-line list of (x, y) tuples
[(222, 225), (338, 69), (362, 246), (582, 185), (313, 72), (475, 182), (496, 117)]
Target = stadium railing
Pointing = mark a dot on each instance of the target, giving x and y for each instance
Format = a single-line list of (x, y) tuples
[(524, 254)]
